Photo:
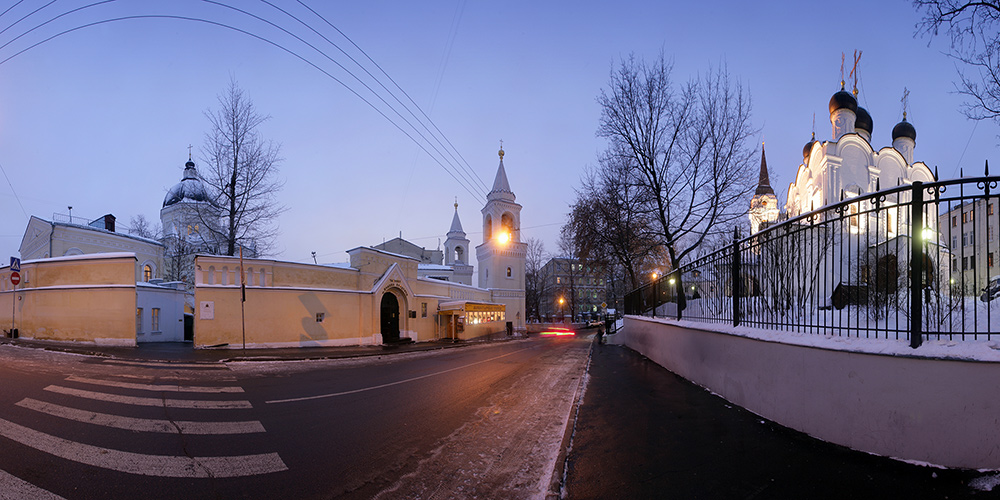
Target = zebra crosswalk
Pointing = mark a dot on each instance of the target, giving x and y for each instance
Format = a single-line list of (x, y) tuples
[(216, 411)]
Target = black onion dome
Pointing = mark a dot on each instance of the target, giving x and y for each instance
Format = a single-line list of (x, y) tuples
[(189, 188), (808, 148), (864, 120), (904, 129), (843, 99)]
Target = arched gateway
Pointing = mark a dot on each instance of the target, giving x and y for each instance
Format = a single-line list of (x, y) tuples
[(389, 318)]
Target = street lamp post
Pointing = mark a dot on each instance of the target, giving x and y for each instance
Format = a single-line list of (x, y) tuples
[(561, 313)]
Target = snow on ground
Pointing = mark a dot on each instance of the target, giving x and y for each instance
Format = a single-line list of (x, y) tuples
[(965, 350)]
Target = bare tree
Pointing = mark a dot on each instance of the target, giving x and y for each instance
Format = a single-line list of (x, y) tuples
[(535, 283), (241, 172), (689, 147), (139, 226), (974, 32), (610, 225)]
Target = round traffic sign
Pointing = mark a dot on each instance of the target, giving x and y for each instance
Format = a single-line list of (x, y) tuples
[(15, 277)]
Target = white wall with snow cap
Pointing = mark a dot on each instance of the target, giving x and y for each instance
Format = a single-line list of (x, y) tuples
[(911, 405)]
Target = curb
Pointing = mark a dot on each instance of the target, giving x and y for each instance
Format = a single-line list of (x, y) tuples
[(558, 480)]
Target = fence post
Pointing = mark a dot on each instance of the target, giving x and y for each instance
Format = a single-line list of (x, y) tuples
[(916, 263), (679, 291), (735, 279)]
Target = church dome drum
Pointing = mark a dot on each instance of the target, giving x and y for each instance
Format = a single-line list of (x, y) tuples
[(843, 99)]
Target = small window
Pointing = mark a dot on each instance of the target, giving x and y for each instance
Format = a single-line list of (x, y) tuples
[(147, 273), (155, 320), (319, 317), (954, 241), (138, 320), (989, 259), (558, 280), (423, 309), (954, 221), (989, 209), (508, 272)]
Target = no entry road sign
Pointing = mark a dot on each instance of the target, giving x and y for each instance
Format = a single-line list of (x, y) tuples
[(15, 277)]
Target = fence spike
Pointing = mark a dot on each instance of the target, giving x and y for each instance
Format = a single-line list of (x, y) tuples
[(961, 172), (936, 173), (987, 168), (841, 195), (878, 186)]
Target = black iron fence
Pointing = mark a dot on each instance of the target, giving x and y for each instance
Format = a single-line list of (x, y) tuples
[(912, 262)]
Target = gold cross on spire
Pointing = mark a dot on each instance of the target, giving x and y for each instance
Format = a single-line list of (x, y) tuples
[(189, 152), (854, 71), (842, 56), (501, 150)]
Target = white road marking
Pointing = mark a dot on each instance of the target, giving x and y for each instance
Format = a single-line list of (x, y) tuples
[(166, 364), (321, 396), (15, 488), (155, 387), (146, 465), (132, 400), (142, 424)]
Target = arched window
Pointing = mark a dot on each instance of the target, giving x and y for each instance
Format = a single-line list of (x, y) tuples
[(508, 272), (147, 273), (488, 228), (459, 255), (211, 275), (262, 282), (249, 273), (225, 276)]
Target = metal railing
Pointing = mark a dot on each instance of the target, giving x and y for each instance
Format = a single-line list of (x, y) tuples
[(912, 262)]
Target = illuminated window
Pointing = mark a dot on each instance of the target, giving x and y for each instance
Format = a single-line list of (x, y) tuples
[(138, 320), (989, 259), (155, 320), (147, 273), (423, 309), (954, 221), (989, 209), (508, 272)]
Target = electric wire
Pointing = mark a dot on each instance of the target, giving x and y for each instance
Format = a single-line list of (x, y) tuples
[(324, 54), (391, 80), (253, 35), (14, 192), (468, 173)]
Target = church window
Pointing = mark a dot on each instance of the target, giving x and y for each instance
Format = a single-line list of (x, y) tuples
[(460, 255), (423, 309), (147, 273), (508, 272), (225, 276), (211, 275), (138, 320), (250, 277), (261, 282), (507, 223), (488, 228)]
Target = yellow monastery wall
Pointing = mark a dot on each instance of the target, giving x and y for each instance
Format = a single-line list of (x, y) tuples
[(282, 311), (83, 299)]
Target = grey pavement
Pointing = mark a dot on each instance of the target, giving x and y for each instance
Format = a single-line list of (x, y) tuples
[(643, 432)]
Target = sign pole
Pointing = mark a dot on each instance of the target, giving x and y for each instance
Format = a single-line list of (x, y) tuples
[(243, 299)]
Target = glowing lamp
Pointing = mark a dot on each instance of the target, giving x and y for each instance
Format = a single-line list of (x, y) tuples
[(503, 237)]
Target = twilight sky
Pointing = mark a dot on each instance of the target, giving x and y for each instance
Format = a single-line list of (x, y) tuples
[(101, 118)]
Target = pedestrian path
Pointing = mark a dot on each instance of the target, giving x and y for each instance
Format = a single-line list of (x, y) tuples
[(644, 432), (61, 418)]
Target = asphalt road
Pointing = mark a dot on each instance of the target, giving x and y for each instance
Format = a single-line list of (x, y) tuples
[(477, 422)]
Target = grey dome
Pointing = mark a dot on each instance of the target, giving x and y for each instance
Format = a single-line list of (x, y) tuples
[(189, 188)]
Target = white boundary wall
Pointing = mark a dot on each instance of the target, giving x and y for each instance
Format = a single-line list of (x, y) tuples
[(938, 411)]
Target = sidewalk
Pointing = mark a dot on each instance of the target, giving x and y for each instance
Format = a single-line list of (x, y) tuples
[(185, 352), (643, 432)]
